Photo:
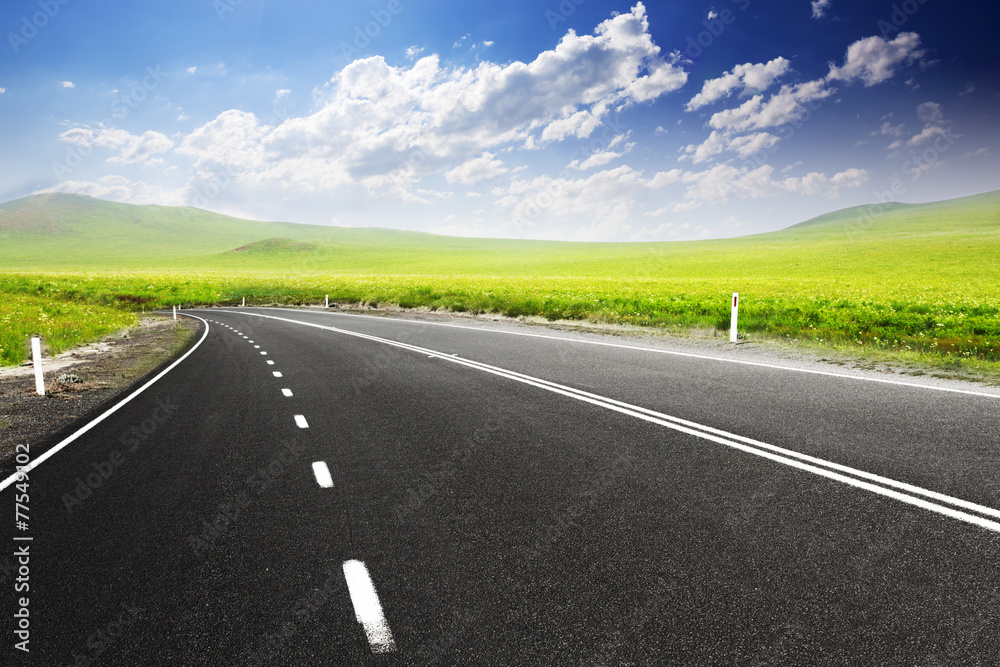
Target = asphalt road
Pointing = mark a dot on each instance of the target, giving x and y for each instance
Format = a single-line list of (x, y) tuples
[(511, 500)]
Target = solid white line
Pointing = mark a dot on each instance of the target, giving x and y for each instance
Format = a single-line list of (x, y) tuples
[(771, 452), (277, 374), (51, 452), (367, 608), (286, 392), (301, 422), (322, 473), (692, 355)]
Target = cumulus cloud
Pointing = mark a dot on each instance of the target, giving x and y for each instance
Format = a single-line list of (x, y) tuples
[(871, 60), (475, 170), (385, 127), (789, 104), (601, 158), (131, 149), (747, 78), (819, 8), (718, 184), (596, 197), (232, 138), (120, 189), (935, 125), (68, 84), (874, 59)]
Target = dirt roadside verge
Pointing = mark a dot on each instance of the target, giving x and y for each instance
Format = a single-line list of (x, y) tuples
[(105, 370)]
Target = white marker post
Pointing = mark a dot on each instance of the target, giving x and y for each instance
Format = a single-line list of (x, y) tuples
[(36, 357), (175, 312), (244, 302), (327, 302), (733, 336)]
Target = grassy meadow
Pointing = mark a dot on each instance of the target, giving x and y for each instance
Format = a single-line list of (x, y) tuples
[(911, 281)]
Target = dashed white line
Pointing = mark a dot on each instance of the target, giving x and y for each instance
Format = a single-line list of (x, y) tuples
[(907, 493), (270, 362), (286, 392), (263, 352), (367, 608), (277, 374), (301, 422), (322, 473), (256, 347)]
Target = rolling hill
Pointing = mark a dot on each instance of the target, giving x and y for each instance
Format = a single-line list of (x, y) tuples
[(75, 232)]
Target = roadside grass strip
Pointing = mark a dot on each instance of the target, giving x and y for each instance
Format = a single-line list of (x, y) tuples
[(52, 451), (933, 501)]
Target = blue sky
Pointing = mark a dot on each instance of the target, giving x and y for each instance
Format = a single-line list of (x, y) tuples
[(574, 120)]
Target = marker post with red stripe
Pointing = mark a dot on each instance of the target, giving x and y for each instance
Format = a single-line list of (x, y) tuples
[(732, 326)]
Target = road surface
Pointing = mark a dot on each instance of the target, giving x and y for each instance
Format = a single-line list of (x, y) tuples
[(318, 488)]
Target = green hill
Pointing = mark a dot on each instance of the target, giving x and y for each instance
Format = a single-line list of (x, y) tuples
[(76, 232), (911, 278)]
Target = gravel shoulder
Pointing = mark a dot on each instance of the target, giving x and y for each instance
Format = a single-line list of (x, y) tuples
[(106, 370)]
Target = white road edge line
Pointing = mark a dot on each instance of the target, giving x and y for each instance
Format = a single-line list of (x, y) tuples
[(672, 352), (301, 422), (788, 457), (56, 448), (367, 608), (322, 473)]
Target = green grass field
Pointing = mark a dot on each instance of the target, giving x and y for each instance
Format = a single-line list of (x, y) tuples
[(917, 281)]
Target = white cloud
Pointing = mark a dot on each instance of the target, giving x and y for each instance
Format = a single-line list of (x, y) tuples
[(718, 184), (819, 8), (888, 129), (192, 69), (281, 94), (386, 127), (714, 145), (594, 200), (712, 14), (747, 78), (935, 125), (978, 152), (120, 189), (131, 149), (67, 84), (413, 51), (871, 60), (601, 158), (930, 113), (233, 138), (2, 91), (789, 104), (968, 90), (874, 59), (475, 170), (749, 144), (659, 130)]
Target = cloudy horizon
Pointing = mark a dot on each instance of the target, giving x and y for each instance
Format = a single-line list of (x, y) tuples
[(571, 120)]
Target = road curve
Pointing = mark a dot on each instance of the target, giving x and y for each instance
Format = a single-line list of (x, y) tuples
[(320, 488)]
